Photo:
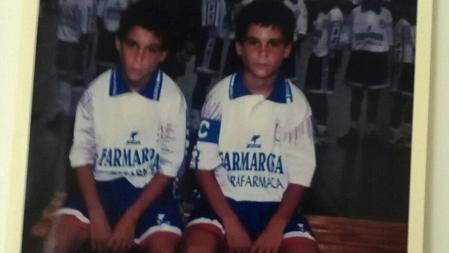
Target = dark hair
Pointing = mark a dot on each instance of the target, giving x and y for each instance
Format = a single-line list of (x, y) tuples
[(152, 15), (265, 13)]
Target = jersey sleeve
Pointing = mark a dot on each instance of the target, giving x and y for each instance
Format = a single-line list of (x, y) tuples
[(173, 136), (83, 150), (205, 155), (298, 151)]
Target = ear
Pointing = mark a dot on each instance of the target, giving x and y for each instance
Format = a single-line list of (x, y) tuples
[(163, 55), (118, 43), (239, 48), (288, 50)]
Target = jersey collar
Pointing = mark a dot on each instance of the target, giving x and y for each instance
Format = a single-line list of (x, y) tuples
[(281, 92), (118, 85)]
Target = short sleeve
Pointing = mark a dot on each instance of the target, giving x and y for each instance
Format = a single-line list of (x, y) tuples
[(174, 136), (299, 153), (205, 155), (83, 150)]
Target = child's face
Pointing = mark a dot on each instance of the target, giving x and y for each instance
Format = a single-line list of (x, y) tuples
[(262, 51), (141, 52)]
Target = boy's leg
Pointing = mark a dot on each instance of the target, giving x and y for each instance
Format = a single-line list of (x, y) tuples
[(298, 237), (67, 234), (201, 241), (301, 246), (162, 242)]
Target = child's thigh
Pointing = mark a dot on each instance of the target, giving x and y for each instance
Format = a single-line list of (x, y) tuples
[(199, 240), (300, 246), (162, 242), (67, 233)]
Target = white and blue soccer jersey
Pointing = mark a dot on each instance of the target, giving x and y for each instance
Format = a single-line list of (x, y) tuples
[(326, 31), (76, 17), (256, 145), (127, 134), (369, 30)]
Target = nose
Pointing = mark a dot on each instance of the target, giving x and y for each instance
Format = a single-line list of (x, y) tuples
[(263, 49), (139, 56)]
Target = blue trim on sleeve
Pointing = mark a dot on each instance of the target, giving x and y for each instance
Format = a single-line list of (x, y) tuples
[(209, 131)]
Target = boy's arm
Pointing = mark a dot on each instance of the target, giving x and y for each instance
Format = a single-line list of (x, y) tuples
[(205, 159), (299, 158), (82, 158), (271, 238), (171, 157), (123, 236), (236, 236), (100, 229)]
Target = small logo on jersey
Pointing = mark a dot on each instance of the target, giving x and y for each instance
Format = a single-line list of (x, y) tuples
[(132, 138), (160, 218), (301, 227), (253, 143)]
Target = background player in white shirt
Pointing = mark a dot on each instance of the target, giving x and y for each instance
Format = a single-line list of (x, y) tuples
[(323, 63), (371, 38), (255, 153), (129, 143)]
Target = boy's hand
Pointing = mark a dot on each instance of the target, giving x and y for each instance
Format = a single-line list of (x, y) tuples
[(122, 238), (237, 238), (270, 239), (100, 231)]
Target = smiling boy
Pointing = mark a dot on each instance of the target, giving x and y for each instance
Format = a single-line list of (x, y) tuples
[(255, 153), (129, 142)]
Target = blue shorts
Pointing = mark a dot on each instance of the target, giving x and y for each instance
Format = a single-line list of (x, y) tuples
[(163, 215), (254, 216)]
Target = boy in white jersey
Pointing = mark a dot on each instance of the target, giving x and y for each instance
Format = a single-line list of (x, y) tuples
[(255, 155), (129, 142)]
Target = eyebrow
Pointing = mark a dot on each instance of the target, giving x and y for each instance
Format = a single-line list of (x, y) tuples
[(269, 40)]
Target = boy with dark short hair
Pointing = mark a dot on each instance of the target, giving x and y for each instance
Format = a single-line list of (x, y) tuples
[(129, 143), (255, 153)]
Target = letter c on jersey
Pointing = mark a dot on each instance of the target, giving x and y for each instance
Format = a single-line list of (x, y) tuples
[(204, 127)]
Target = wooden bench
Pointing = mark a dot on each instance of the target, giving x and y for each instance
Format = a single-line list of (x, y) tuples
[(345, 235), (333, 234)]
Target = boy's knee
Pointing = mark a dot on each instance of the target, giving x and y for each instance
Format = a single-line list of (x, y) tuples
[(64, 236), (162, 244), (197, 241), (303, 247)]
